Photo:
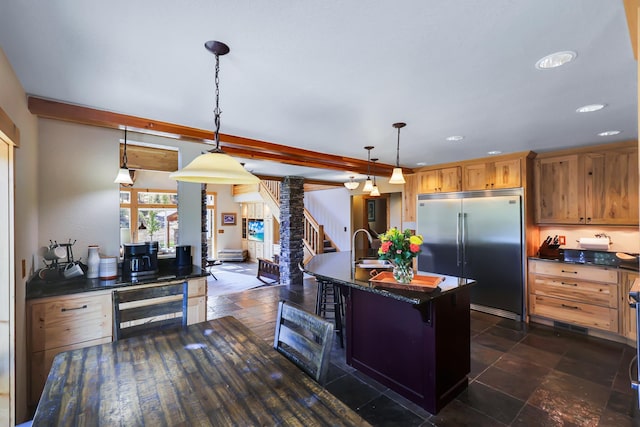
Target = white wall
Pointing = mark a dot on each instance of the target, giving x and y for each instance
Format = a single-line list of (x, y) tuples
[(14, 102), (332, 208), (78, 199)]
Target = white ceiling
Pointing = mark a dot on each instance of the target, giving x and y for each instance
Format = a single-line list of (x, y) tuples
[(332, 76)]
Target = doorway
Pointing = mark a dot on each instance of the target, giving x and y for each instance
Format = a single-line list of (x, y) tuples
[(7, 273)]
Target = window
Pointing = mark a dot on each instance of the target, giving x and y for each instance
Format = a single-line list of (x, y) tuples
[(149, 215)]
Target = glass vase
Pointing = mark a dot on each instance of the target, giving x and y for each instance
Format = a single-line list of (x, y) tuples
[(403, 272)]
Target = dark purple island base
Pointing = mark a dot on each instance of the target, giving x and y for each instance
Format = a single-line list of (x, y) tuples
[(416, 343)]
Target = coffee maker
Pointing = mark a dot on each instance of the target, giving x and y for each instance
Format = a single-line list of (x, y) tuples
[(140, 260)]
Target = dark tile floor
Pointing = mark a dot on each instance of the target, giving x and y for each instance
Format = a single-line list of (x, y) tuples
[(521, 375)]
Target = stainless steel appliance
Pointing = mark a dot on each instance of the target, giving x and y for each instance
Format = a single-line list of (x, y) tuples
[(478, 235), (140, 259)]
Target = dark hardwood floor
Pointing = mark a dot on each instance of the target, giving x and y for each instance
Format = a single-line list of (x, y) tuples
[(521, 375)]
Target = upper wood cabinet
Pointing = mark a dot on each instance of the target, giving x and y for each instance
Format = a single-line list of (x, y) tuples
[(409, 196), (611, 187), (558, 190), (439, 180), (598, 187), (492, 175)]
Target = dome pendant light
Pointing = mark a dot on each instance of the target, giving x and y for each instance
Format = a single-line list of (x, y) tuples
[(375, 192), (124, 175), (396, 176), (215, 167), (351, 184), (368, 184)]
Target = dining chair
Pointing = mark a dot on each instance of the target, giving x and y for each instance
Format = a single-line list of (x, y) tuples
[(140, 311), (305, 339)]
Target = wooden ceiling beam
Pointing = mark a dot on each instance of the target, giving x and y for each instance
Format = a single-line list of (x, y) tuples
[(233, 145)]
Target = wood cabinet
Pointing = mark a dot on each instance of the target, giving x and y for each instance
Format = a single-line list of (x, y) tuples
[(409, 198), (65, 323), (439, 180), (611, 187), (598, 187), (492, 175), (62, 323), (585, 296), (628, 325)]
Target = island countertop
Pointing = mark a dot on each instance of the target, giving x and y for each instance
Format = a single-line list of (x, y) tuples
[(337, 268), (39, 288)]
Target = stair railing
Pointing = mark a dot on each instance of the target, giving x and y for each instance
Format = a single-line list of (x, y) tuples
[(313, 235)]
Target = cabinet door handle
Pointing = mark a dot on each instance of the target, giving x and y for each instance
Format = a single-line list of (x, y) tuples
[(568, 271), (568, 284), (74, 308), (573, 307)]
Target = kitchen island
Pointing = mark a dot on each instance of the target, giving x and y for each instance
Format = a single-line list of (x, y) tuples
[(417, 343)]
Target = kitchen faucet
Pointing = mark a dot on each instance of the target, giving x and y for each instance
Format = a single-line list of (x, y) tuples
[(353, 244)]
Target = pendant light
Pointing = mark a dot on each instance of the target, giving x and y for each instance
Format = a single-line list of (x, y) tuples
[(351, 184), (396, 176), (124, 176), (215, 167), (375, 192), (368, 184)]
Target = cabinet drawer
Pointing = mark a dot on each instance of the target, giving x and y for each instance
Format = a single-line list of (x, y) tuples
[(576, 290), (575, 271), (588, 315), (197, 287), (68, 320)]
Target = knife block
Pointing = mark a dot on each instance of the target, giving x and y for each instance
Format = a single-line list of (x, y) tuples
[(549, 251)]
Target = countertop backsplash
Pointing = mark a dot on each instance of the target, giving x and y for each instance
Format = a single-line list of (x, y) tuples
[(623, 239)]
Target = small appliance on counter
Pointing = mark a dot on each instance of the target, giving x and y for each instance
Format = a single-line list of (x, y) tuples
[(183, 256), (184, 260), (140, 259)]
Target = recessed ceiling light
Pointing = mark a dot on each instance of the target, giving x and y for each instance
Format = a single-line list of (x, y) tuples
[(609, 133), (455, 138), (421, 164), (555, 60), (494, 152), (590, 108)]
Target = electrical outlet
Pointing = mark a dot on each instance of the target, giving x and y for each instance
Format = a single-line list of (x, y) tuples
[(562, 240)]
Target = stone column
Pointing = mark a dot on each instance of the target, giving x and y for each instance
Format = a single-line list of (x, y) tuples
[(291, 229)]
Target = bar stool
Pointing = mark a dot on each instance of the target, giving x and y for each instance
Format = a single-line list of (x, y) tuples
[(329, 300)]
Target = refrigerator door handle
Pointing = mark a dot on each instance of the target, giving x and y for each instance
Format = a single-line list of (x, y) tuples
[(458, 233), (464, 238)]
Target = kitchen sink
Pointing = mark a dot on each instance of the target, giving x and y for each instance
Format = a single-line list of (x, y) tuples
[(365, 268)]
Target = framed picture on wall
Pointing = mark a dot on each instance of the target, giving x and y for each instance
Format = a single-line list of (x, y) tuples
[(228, 218), (371, 210)]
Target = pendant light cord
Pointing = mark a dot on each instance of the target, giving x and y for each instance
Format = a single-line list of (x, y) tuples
[(216, 112), (398, 150), (124, 154)]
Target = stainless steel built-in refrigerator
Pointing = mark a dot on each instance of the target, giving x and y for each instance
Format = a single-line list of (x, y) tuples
[(478, 235)]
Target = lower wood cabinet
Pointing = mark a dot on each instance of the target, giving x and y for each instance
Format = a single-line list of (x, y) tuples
[(628, 325), (68, 322), (580, 295)]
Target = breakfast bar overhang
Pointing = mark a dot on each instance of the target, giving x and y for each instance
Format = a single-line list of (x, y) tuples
[(416, 343)]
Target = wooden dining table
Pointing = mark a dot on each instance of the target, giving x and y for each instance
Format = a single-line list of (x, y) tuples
[(214, 373)]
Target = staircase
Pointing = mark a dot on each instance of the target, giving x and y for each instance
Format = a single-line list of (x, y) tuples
[(315, 240)]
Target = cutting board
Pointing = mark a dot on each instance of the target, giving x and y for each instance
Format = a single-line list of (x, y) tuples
[(419, 283)]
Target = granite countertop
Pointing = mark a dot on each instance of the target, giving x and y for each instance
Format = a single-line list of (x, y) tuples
[(336, 267), (627, 266), (39, 288)]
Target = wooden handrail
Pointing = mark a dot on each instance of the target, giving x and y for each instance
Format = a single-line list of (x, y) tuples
[(313, 235)]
